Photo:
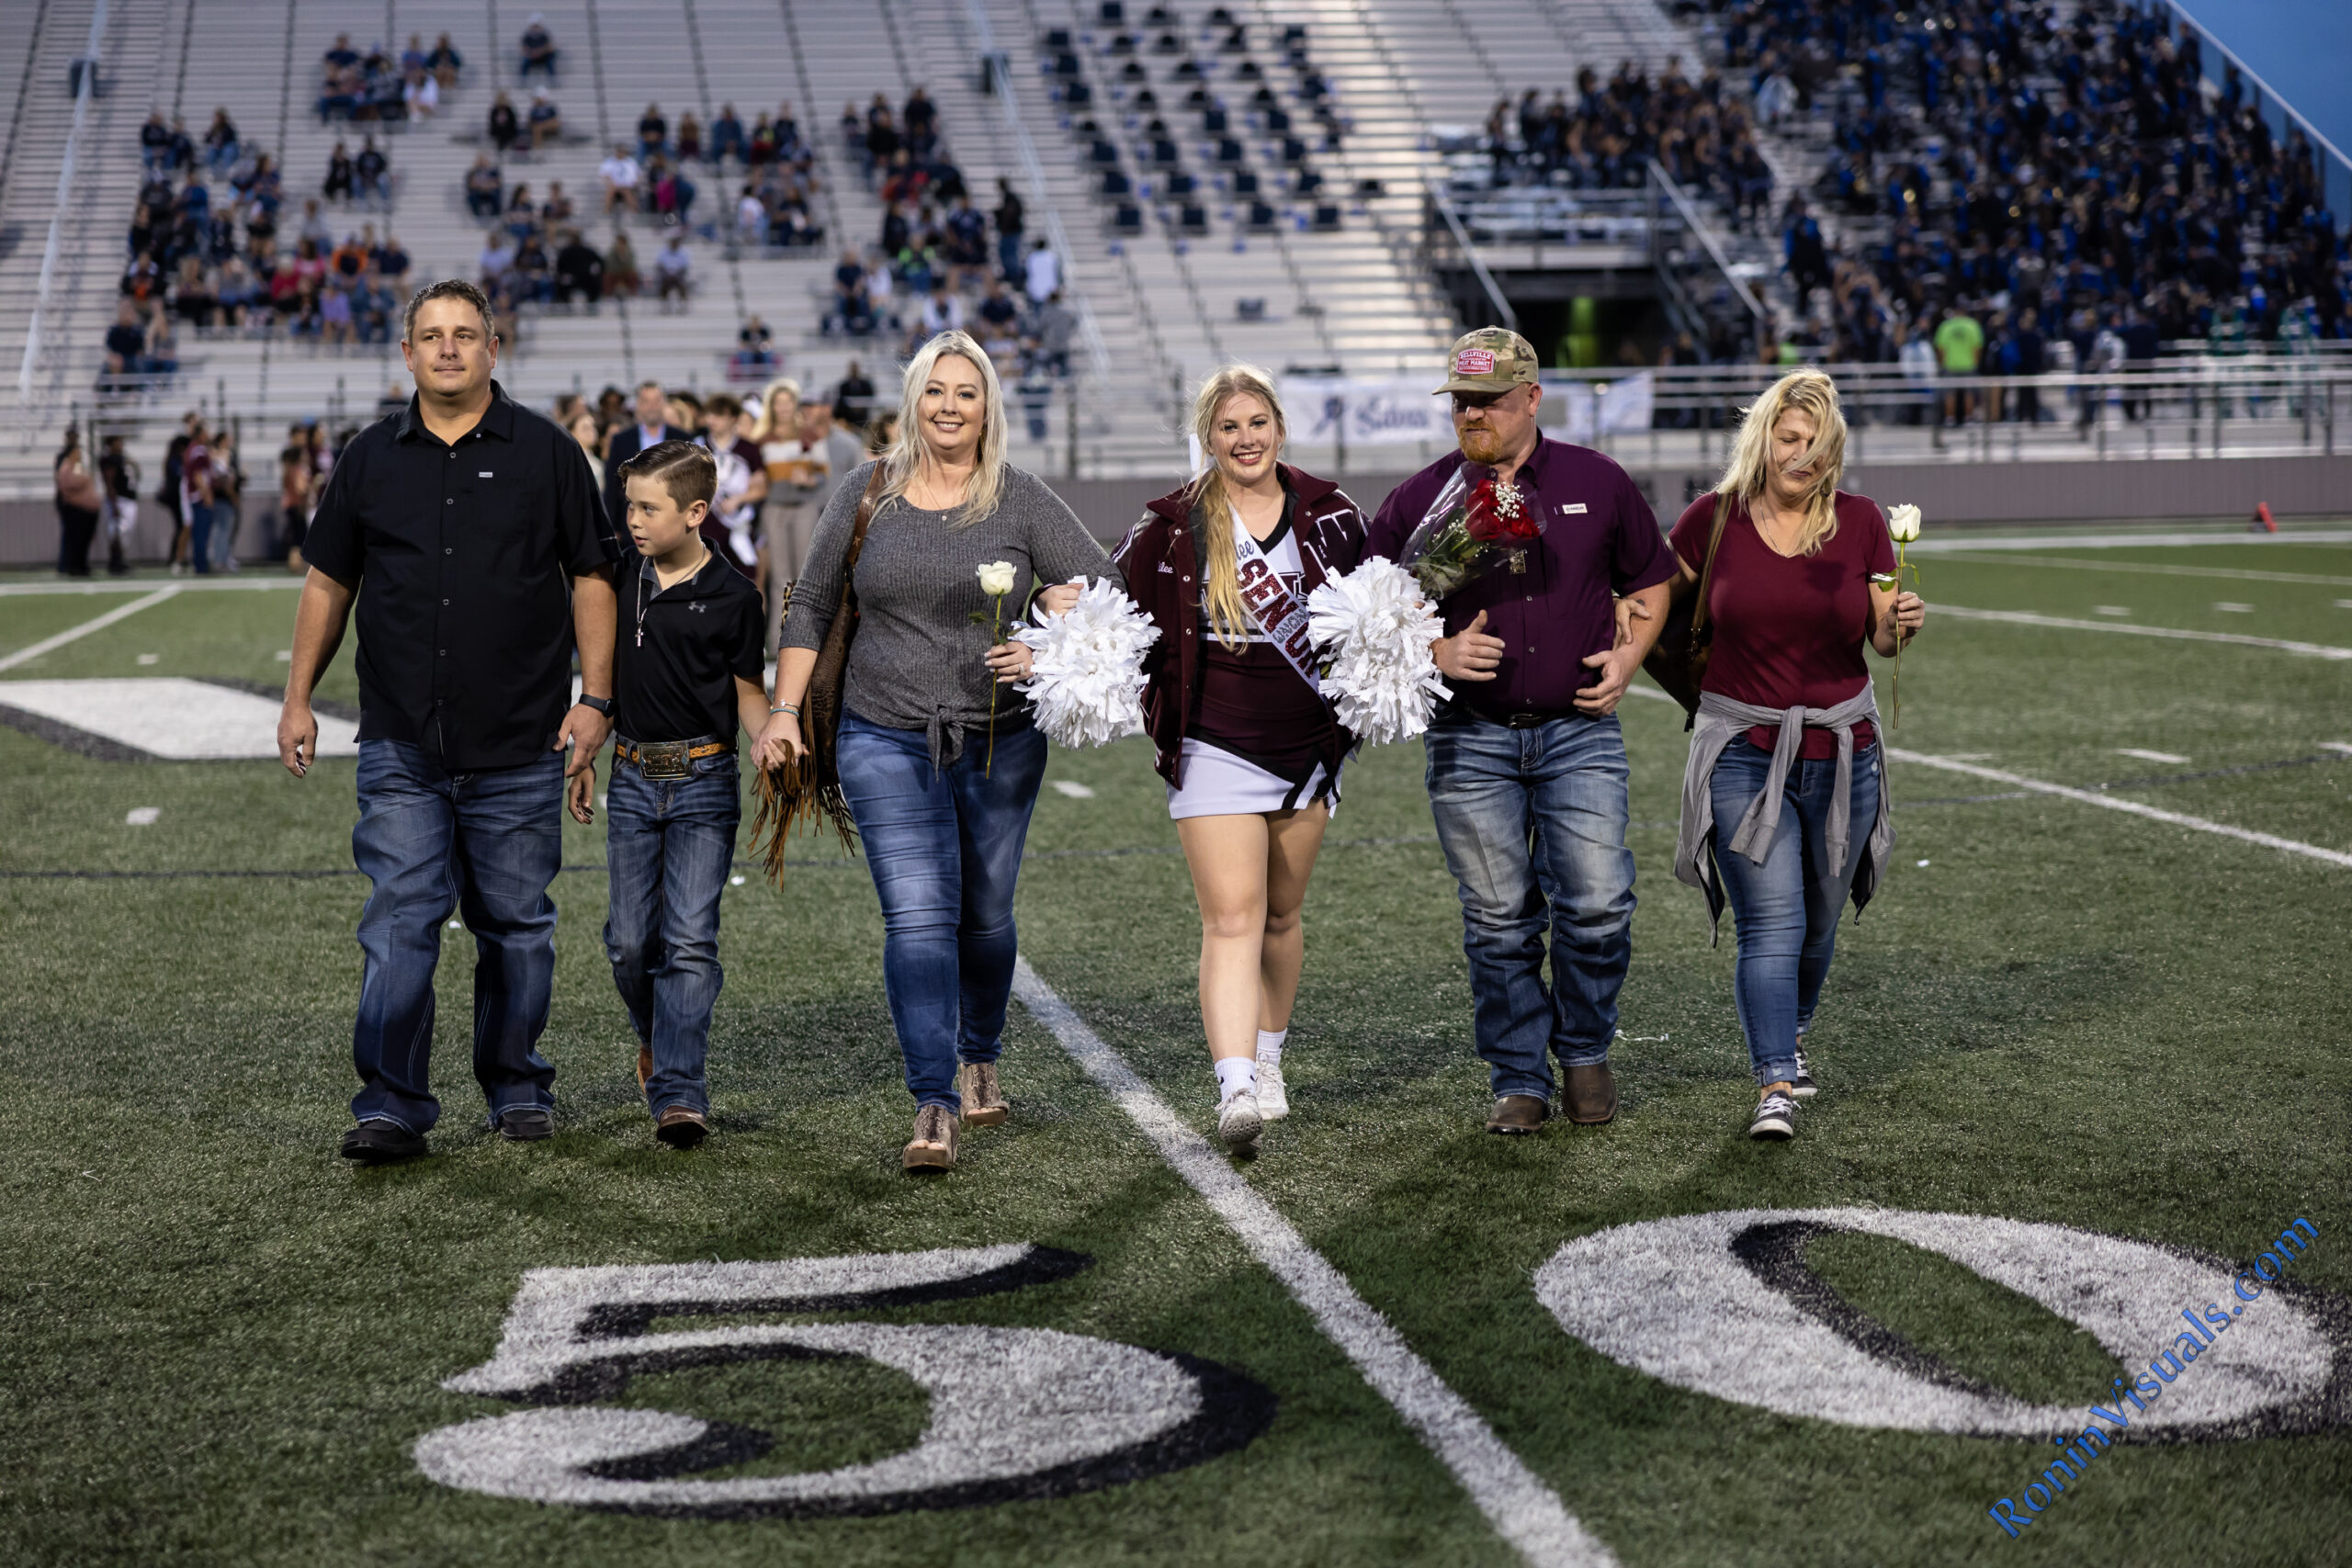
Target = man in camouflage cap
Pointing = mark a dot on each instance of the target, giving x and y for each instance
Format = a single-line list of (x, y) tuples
[(1537, 660)]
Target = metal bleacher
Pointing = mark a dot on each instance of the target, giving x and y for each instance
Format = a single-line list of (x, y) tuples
[(1330, 280)]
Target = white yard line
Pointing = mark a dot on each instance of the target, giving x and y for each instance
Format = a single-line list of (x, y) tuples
[(27, 655), (193, 585), (2147, 569), (1521, 1509), (2113, 803), (1957, 540), (2061, 623)]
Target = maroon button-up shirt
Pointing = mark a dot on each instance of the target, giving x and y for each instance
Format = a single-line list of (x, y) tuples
[(1599, 539)]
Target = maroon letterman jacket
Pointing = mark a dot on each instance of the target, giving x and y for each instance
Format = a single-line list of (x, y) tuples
[(1163, 562)]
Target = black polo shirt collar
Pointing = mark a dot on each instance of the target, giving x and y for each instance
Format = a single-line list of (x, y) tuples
[(497, 420)]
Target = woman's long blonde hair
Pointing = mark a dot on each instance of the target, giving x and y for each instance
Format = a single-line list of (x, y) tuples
[(907, 453), (1228, 617), (1749, 468), (763, 428)]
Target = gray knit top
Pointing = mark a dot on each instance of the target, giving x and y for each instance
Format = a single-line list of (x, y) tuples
[(917, 660)]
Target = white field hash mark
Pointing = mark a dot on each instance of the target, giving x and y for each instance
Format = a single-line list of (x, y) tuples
[(2135, 751), (1515, 1500), (2060, 622), (1073, 789), (2112, 802)]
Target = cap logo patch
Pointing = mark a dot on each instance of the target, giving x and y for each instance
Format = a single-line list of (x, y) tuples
[(1475, 362)]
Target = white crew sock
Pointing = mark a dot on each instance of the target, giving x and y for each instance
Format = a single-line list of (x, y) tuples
[(1270, 1046), (1235, 1074)]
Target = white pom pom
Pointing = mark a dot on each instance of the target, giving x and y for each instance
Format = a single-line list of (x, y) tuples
[(1377, 628), (1086, 680)]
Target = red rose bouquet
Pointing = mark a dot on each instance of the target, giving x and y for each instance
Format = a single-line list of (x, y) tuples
[(1476, 524)]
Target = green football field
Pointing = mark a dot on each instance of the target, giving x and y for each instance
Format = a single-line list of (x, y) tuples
[(2062, 1021)]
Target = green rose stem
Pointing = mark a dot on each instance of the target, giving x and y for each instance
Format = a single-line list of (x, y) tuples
[(996, 635)]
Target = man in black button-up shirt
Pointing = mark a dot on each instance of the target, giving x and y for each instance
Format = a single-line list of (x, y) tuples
[(475, 528)]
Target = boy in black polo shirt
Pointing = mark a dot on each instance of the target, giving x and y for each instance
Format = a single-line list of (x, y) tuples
[(688, 669)]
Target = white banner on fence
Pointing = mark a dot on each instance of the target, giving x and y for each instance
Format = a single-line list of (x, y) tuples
[(1364, 410)]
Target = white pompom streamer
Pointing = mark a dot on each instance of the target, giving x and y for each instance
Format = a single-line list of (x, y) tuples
[(1377, 628), (1086, 680)]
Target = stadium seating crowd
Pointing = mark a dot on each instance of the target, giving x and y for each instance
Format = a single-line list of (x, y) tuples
[(1605, 138), (2054, 180)]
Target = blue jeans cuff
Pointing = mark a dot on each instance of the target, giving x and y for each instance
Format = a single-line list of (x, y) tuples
[(1583, 1056)]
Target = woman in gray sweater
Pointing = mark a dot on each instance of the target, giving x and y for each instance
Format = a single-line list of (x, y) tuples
[(942, 799)]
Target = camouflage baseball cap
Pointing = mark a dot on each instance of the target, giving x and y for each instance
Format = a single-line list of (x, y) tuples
[(1492, 359)]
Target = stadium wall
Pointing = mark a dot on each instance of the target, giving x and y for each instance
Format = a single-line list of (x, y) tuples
[(2182, 491)]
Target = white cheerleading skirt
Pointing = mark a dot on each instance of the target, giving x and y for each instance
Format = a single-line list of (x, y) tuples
[(1218, 784)]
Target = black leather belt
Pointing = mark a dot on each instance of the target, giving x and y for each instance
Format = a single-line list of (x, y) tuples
[(1533, 718), (669, 759)]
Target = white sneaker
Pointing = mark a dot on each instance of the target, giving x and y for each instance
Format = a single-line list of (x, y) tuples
[(1239, 1122), (1273, 1103)]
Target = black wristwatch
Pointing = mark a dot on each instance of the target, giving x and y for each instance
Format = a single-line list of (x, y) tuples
[(601, 705)]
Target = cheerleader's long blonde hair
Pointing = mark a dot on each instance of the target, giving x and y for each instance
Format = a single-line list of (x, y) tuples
[(1229, 619), (1749, 468)]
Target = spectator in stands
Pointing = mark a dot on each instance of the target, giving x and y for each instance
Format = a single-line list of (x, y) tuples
[(674, 270), (497, 259), (854, 398), (534, 274), (689, 143), (335, 313), (1801, 249), (155, 143), (522, 213), (624, 181), (505, 126), (622, 280), (1960, 345), (579, 271), (852, 312), (545, 121), (420, 94), (999, 318), (941, 312), (652, 133), (445, 63), (881, 144), (1052, 328), (755, 344), (672, 192), (1042, 276), (221, 143), (1010, 219), (372, 174), (539, 50), (484, 190), (923, 124), (726, 136), (968, 253), (78, 499), (339, 175), (392, 263)]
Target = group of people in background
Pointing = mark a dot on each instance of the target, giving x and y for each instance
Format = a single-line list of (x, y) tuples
[(629, 544)]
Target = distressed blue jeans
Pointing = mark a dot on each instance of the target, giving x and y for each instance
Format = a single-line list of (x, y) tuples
[(669, 843), (1533, 823), (945, 847), (1786, 917), (432, 840)]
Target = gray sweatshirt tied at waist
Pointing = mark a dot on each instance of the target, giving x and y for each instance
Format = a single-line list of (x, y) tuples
[(917, 660), (1719, 721)]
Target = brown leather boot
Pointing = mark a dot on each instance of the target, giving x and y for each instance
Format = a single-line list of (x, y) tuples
[(681, 1127), (1519, 1113), (984, 1101), (933, 1145), (1590, 1095)]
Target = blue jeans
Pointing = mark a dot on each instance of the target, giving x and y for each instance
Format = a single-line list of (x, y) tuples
[(669, 844), (1786, 918), (432, 840), (200, 515), (1533, 823), (945, 847)]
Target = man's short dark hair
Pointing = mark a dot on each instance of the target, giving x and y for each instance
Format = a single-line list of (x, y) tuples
[(685, 468), (448, 289)]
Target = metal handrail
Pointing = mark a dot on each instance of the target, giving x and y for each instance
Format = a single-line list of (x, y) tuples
[(1697, 223), (1508, 317), (2318, 138), (1097, 353), (85, 90)]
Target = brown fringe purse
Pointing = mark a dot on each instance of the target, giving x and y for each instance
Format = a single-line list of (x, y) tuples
[(806, 793), (1678, 660)]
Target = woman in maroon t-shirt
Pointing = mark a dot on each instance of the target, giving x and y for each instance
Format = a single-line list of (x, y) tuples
[(1803, 580), (1250, 749)]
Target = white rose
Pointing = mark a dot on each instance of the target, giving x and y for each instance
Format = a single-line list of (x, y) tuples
[(996, 576), (1903, 523)]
